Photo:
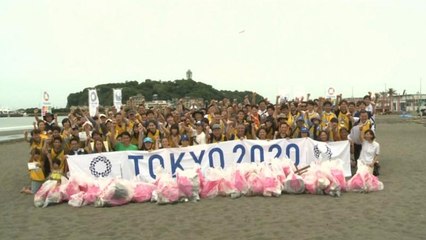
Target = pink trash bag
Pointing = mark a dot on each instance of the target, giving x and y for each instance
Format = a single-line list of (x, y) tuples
[(226, 184), (373, 183), (53, 197), (47, 194), (339, 175), (335, 169), (188, 182), (294, 184), (143, 192), (76, 200), (364, 181), (311, 183), (69, 188), (278, 167), (240, 183), (118, 192), (288, 166), (210, 183), (255, 183), (227, 188), (271, 184), (167, 190), (92, 193), (41, 194)]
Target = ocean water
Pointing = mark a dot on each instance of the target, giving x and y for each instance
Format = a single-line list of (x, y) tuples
[(12, 128), (16, 123)]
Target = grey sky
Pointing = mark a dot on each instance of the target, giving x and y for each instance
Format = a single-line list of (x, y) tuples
[(270, 47)]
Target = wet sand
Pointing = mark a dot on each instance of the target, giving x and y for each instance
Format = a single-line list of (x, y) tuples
[(398, 212)]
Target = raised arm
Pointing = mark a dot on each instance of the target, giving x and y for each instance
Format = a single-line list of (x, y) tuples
[(141, 129), (112, 136)]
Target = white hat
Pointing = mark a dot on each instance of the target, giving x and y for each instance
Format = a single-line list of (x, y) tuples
[(87, 122)]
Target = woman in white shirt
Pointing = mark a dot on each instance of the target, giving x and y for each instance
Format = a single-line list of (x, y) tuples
[(370, 150), (198, 134)]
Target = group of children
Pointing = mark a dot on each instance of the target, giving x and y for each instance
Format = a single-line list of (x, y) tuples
[(145, 129)]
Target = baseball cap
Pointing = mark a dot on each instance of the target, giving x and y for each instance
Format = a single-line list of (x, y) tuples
[(147, 140), (215, 126), (281, 116), (87, 123), (184, 138), (316, 117), (304, 130)]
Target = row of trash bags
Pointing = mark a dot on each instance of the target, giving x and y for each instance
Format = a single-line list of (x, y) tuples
[(270, 179)]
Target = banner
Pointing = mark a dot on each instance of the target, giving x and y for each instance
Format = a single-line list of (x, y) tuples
[(117, 98), (93, 102), (46, 105), (331, 94), (130, 164)]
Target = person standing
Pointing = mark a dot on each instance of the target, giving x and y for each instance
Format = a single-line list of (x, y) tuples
[(362, 125), (370, 151)]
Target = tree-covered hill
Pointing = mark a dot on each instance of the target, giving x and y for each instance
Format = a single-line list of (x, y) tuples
[(165, 90)]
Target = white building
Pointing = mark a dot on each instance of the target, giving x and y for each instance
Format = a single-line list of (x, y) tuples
[(408, 102)]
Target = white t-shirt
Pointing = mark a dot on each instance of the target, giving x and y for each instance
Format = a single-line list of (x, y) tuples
[(263, 114), (369, 151), (199, 138)]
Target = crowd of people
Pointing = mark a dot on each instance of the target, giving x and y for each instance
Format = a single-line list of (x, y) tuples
[(149, 129)]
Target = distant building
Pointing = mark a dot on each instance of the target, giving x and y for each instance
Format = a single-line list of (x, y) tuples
[(188, 75), (191, 103), (158, 104), (135, 101), (408, 102)]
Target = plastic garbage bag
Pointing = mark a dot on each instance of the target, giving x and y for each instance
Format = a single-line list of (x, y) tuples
[(118, 192), (188, 182), (167, 190), (76, 200), (143, 192), (210, 183), (294, 184), (40, 196), (364, 181), (54, 196), (271, 184)]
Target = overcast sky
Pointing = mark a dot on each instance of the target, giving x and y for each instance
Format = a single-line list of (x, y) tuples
[(272, 47)]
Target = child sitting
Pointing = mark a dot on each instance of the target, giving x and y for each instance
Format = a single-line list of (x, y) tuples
[(56, 173)]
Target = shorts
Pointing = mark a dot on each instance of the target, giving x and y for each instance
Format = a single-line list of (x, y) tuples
[(35, 186)]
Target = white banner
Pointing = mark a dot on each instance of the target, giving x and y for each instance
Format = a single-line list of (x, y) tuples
[(129, 164), (93, 102), (46, 105), (117, 98), (330, 93)]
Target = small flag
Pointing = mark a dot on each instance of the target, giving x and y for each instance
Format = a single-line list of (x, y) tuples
[(46, 105), (117, 98), (93, 102)]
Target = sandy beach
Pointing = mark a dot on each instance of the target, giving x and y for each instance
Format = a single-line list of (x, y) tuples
[(398, 212)]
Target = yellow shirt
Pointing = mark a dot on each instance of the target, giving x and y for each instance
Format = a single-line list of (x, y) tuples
[(37, 174), (154, 136), (61, 157), (35, 145), (56, 175), (120, 128), (365, 127), (343, 120), (326, 118)]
